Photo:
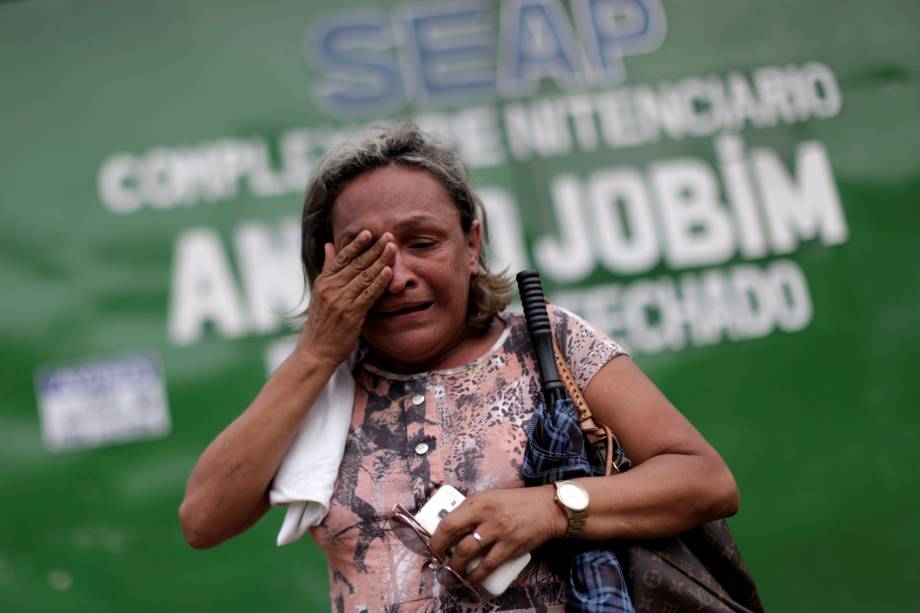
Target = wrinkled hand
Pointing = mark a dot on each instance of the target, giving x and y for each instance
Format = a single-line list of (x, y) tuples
[(349, 284), (511, 522)]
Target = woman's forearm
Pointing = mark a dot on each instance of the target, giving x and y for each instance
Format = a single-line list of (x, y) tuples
[(663, 496), (228, 488), (678, 481)]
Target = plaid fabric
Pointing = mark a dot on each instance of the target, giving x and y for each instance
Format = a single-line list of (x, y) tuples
[(556, 451)]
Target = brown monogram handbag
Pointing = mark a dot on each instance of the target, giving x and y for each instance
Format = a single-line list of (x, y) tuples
[(699, 570)]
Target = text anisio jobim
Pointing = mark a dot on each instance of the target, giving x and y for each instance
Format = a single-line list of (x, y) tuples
[(681, 213)]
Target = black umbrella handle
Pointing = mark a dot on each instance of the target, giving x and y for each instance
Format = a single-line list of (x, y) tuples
[(541, 333)]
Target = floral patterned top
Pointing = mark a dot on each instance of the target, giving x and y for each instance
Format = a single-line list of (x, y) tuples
[(465, 426)]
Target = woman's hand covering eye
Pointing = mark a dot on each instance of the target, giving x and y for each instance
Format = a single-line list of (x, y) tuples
[(351, 281)]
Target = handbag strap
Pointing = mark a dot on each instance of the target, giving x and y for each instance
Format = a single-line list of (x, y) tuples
[(593, 430), (585, 418)]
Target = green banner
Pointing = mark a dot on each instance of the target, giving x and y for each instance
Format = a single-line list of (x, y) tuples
[(727, 188)]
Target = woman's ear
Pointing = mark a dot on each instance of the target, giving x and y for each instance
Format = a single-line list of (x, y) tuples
[(474, 247)]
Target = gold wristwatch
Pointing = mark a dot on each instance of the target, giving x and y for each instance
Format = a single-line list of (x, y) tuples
[(574, 499)]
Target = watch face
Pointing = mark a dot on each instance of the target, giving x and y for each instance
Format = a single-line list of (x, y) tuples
[(573, 496)]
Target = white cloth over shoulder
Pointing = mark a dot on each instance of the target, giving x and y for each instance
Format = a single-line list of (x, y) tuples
[(306, 477)]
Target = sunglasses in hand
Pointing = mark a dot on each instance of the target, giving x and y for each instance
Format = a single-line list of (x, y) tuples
[(418, 540)]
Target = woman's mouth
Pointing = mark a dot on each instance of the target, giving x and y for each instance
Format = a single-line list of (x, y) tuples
[(391, 312)]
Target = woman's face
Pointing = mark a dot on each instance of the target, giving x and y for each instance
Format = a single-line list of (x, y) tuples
[(420, 321)]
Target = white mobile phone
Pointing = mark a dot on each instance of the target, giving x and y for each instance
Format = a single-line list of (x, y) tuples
[(445, 500)]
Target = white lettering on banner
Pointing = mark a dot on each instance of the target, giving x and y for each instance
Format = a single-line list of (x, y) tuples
[(473, 132), (506, 250), (270, 268), (568, 259), (698, 309), (622, 218), (690, 107), (117, 184), (625, 232), (793, 305), (203, 289), (171, 177), (696, 226), (166, 178), (805, 210), (581, 113), (821, 90), (789, 94), (740, 195), (676, 214), (628, 223), (542, 128)]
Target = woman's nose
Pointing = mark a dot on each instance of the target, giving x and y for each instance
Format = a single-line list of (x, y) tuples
[(403, 277)]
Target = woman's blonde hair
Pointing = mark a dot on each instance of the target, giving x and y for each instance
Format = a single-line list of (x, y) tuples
[(402, 143)]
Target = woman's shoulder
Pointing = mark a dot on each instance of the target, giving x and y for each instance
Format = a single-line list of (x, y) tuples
[(568, 323), (586, 347), (568, 327)]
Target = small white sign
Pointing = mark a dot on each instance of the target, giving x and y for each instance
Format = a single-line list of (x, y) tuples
[(101, 401)]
